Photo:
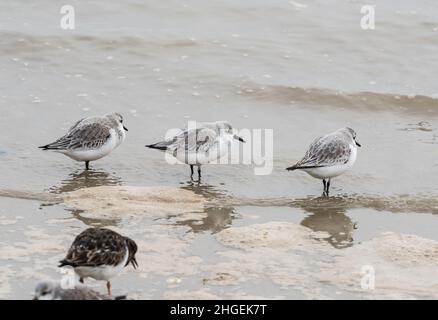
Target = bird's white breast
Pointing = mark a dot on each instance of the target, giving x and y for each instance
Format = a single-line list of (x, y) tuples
[(95, 154), (336, 170), (103, 272), (123, 134)]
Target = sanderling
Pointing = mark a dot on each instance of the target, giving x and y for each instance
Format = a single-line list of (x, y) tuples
[(329, 156), (100, 254), (207, 142), (52, 290), (91, 138)]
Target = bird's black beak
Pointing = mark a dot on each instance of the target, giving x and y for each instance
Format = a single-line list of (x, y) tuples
[(357, 143), (134, 263), (238, 138), (126, 129)]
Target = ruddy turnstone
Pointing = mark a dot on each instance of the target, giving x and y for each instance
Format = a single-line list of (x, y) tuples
[(203, 144), (91, 138), (329, 156), (100, 254)]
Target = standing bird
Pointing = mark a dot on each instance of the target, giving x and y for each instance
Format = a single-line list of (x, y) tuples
[(205, 143), (329, 156), (91, 138), (51, 290), (100, 254)]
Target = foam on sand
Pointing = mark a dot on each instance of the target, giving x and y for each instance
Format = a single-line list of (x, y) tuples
[(116, 201), (405, 266)]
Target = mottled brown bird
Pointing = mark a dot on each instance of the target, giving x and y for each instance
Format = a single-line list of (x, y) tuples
[(100, 254)]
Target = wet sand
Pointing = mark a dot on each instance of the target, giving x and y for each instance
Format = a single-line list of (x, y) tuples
[(192, 249)]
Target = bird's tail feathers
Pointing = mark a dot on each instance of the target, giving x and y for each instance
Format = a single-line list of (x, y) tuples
[(54, 146), (296, 167), (159, 146), (47, 147), (63, 263)]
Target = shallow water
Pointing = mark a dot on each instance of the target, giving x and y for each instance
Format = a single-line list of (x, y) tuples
[(302, 71)]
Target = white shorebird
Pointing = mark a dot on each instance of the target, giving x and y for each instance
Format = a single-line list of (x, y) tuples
[(205, 143), (91, 138), (100, 254), (329, 156), (52, 290)]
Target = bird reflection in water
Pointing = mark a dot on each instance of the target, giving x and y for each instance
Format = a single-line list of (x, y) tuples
[(86, 179), (218, 217), (329, 215), (94, 222)]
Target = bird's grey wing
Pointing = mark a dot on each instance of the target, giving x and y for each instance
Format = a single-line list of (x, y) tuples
[(324, 152), (86, 136), (195, 140), (79, 294), (171, 143), (189, 140), (75, 125)]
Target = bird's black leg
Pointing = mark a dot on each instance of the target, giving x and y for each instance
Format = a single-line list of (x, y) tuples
[(328, 187), (325, 187), (81, 280), (108, 286), (191, 170), (87, 165), (199, 173)]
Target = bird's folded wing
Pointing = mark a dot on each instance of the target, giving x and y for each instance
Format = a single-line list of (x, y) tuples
[(325, 153), (87, 136), (89, 252), (75, 125), (193, 140)]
